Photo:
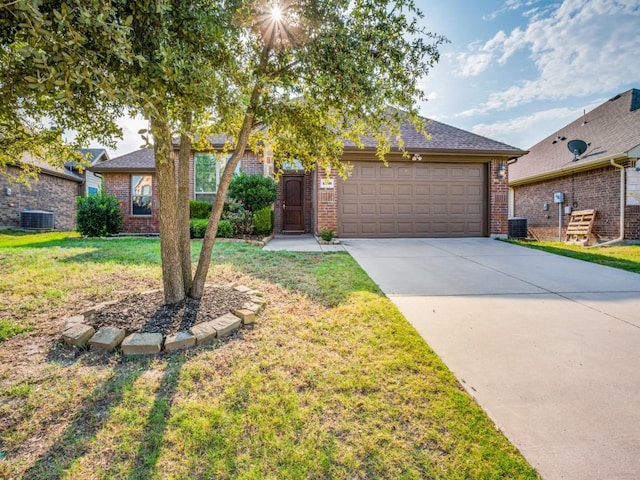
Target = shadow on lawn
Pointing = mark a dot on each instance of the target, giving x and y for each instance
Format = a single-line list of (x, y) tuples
[(76, 441)]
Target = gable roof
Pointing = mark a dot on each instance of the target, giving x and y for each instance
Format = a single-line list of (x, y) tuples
[(45, 168), (612, 130), (443, 138), (142, 160)]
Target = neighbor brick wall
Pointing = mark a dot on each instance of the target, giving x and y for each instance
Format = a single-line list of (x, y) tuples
[(119, 184), (598, 188), (498, 200), (50, 193), (632, 222)]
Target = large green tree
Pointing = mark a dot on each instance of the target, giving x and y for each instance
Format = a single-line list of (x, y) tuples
[(301, 76)]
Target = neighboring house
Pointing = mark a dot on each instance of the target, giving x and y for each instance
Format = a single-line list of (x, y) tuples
[(605, 177), (54, 192), (92, 180), (453, 184)]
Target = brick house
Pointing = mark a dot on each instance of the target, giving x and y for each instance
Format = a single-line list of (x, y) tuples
[(606, 177), (54, 192), (453, 184)]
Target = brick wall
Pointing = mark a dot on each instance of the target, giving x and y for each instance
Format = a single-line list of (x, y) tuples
[(598, 188), (327, 201), (50, 193), (498, 199), (119, 184)]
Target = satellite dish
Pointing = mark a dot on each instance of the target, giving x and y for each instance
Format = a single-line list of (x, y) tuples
[(577, 147)]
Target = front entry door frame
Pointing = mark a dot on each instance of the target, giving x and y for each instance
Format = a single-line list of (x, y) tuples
[(293, 218)]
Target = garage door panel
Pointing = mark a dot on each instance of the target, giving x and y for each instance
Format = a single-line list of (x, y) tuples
[(405, 189), (413, 200)]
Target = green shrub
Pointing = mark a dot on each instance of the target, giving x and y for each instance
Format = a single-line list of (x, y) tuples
[(240, 218), (198, 209), (262, 221), (225, 229), (98, 215), (198, 227), (327, 234), (254, 191)]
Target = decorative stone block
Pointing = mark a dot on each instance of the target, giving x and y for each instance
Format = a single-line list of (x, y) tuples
[(259, 300), (70, 321), (204, 332), (142, 344), (242, 289), (254, 307), (178, 341), (226, 324), (247, 316), (78, 334), (107, 338), (257, 293)]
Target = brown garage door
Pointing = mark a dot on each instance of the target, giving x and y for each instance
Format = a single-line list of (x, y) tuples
[(413, 200)]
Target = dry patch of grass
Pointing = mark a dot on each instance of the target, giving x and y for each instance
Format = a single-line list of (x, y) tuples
[(331, 383)]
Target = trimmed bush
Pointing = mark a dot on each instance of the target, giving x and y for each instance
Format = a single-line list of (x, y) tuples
[(198, 209), (262, 221), (225, 229), (254, 191), (98, 215), (198, 227)]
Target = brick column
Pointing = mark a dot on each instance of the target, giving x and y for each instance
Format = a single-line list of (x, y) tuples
[(327, 200), (499, 198)]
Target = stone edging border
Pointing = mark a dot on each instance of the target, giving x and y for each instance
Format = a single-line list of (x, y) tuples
[(79, 334)]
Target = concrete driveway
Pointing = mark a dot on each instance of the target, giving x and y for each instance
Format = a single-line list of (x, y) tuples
[(547, 345)]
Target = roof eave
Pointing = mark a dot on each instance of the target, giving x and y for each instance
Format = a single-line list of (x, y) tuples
[(445, 151), (122, 170), (574, 167)]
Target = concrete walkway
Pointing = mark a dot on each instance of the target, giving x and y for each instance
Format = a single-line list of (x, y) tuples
[(300, 243), (547, 345)]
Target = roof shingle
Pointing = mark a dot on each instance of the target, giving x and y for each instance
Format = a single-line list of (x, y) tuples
[(142, 160), (610, 129)]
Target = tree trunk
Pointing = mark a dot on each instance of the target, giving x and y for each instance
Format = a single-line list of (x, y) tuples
[(172, 273), (200, 277), (184, 237)]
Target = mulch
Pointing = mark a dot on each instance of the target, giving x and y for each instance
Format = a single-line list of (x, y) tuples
[(147, 313)]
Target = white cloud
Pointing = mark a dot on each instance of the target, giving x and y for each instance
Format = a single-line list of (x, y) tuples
[(527, 130), (473, 64), (131, 139), (511, 5), (584, 47)]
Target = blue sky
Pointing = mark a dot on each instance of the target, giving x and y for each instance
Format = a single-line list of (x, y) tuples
[(518, 70)]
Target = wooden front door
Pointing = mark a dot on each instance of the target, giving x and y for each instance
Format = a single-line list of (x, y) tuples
[(293, 203)]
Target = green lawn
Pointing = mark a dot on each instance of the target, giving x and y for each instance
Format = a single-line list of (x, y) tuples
[(331, 383), (624, 257)]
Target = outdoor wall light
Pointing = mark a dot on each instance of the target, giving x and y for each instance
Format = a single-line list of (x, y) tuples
[(502, 170), (545, 207), (8, 191)]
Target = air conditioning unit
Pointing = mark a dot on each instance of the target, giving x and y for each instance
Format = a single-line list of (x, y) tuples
[(37, 220), (517, 227)]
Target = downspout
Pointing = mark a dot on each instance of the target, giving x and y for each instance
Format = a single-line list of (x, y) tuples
[(622, 205)]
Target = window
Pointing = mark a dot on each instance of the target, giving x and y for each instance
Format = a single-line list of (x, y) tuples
[(141, 194), (208, 170), (91, 191)]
